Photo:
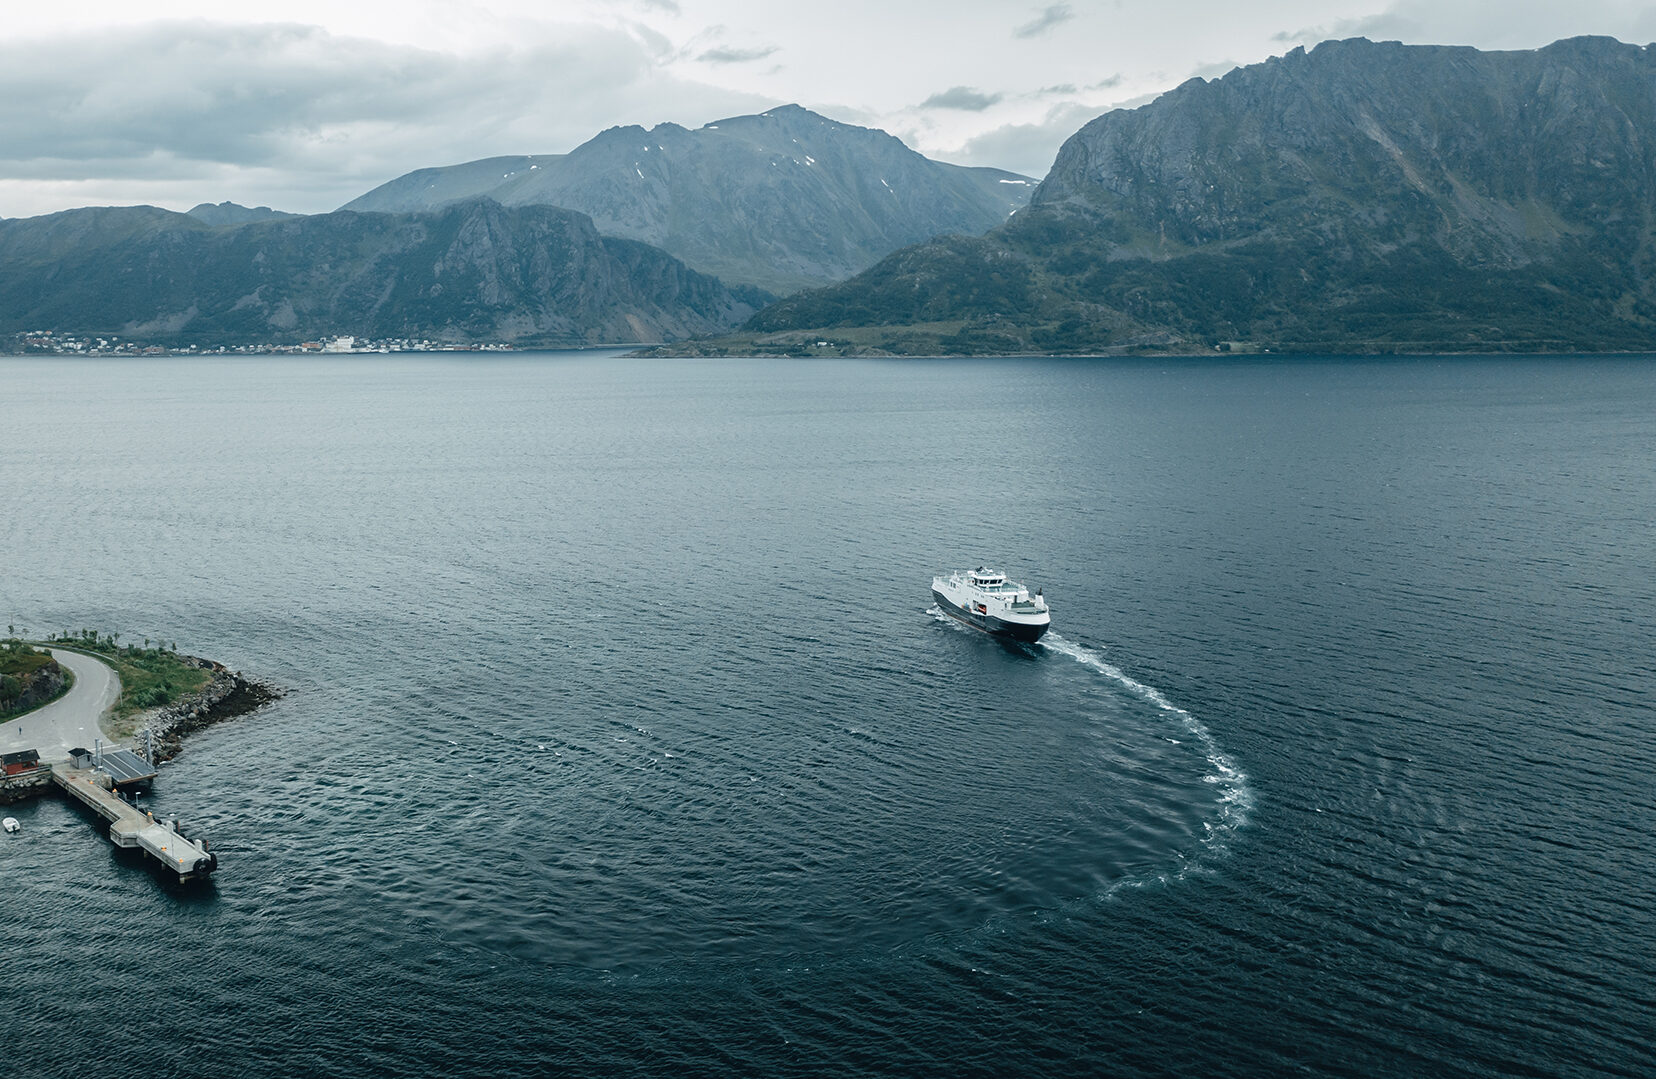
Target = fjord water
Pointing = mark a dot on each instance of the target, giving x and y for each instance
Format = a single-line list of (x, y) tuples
[(620, 739)]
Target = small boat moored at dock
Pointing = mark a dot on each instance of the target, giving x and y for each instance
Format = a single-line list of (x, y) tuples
[(986, 600)]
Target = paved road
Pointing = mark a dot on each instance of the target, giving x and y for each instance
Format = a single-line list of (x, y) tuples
[(72, 719)]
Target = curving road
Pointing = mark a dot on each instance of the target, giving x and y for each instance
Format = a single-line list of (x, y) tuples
[(72, 719)]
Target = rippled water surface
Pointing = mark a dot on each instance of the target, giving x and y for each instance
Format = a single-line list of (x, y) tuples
[(621, 739)]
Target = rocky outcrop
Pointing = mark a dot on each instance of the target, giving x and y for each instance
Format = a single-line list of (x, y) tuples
[(228, 694), (34, 687), (20, 788)]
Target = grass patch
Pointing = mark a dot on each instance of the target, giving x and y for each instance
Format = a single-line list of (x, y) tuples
[(152, 676)]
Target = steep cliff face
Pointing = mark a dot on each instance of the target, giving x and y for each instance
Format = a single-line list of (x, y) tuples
[(473, 271), (1359, 196), (782, 200), (1493, 157), (28, 678)]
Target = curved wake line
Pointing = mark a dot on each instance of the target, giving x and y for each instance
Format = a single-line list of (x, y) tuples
[(1235, 797)]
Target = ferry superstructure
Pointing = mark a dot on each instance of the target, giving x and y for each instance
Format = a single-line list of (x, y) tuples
[(986, 600)]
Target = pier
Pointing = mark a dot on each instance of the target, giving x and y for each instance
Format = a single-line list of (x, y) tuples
[(131, 827), (46, 747)]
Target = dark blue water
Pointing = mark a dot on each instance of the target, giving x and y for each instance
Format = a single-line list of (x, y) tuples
[(621, 741)]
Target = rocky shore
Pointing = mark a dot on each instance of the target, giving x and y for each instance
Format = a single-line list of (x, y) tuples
[(229, 694), (28, 785)]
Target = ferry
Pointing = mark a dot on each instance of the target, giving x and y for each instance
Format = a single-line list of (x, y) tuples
[(988, 601)]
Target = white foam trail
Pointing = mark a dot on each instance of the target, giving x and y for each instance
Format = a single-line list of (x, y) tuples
[(1235, 797)]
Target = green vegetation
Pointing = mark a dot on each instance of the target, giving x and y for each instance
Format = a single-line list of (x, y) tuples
[(1035, 288), (153, 675), (29, 678)]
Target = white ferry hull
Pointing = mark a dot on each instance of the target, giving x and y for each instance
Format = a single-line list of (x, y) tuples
[(1027, 631)]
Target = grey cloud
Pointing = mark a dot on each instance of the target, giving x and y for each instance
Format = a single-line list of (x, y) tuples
[(1217, 70), (1135, 102), (1386, 26), (1027, 148), (295, 108), (726, 54), (1046, 20), (240, 94), (1069, 89), (658, 43), (961, 97)]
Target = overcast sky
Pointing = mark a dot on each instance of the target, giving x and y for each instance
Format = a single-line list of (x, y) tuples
[(304, 104)]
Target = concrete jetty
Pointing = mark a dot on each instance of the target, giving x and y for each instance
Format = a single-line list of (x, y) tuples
[(47, 746), (130, 827)]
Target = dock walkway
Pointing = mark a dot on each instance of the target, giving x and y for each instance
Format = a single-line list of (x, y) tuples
[(131, 827)]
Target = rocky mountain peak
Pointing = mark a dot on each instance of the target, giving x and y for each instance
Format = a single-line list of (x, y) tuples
[(781, 200), (1358, 195), (1461, 140)]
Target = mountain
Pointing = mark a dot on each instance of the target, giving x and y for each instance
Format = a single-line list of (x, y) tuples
[(1358, 197), (783, 200), (229, 213), (470, 272), (428, 189)]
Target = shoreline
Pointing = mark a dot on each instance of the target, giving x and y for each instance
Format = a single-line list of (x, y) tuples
[(686, 350), (227, 695)]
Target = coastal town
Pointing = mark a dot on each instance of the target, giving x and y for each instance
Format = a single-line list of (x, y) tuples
[(51, 342)]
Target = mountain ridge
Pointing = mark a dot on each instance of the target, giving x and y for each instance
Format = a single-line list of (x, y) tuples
[(782, 199), (473, 271), (1358, 196), (230, 213)]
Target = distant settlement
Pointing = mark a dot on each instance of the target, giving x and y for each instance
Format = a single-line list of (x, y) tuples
[(49, 342)]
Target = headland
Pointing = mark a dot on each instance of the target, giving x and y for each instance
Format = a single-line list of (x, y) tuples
[(99, 693)]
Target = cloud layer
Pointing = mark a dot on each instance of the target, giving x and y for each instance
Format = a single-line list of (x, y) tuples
[(164, 104), (1045, 21), (961, 97), (99, 105)]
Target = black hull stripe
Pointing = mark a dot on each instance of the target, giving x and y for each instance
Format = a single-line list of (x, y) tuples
[(993, 626)]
